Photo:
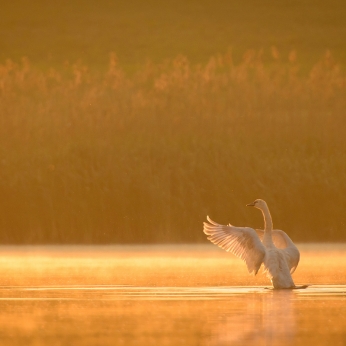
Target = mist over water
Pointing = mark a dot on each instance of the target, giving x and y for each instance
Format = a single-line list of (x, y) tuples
[(138, 295)]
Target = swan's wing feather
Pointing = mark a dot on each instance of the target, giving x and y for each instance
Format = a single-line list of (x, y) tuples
[(282, 241), (279, 237), (243, 242), (293, 257), (290, 250), (260, 233)]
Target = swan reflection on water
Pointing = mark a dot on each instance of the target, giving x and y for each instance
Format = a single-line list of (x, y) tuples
[(262, 319)]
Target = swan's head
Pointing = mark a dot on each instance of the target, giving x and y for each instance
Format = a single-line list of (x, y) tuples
[(258, 203)]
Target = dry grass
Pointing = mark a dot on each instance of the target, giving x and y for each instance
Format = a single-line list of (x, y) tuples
[(92, 158)]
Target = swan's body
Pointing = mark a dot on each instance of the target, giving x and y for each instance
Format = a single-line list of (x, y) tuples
[(272, 248)]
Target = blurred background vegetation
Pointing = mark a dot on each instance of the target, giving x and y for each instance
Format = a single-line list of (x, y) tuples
[(203, 107)]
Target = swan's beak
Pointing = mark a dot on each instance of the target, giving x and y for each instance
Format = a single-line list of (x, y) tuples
[(251, 204)]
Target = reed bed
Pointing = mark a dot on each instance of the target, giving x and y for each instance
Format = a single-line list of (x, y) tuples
[(90, 157)]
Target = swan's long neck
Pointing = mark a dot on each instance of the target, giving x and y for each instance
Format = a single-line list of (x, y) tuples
[(268, 225)]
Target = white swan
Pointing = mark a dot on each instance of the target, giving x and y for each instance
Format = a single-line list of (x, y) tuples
[(273, 248)]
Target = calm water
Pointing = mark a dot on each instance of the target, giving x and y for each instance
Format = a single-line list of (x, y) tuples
[(166, 295)]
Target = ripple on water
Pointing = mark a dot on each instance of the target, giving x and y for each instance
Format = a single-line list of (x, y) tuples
[(128, 292)]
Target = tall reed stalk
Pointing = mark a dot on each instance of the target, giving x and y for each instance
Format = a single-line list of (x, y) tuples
[(95, 158)]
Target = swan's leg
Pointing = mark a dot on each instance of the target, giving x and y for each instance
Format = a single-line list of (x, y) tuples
[(288, 288), (300, 287)]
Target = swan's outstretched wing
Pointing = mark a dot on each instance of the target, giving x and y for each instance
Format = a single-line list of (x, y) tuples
[(282, 241), (278, 236), (241, 241)]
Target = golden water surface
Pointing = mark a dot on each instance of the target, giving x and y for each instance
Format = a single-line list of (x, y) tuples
[(166, 295)]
